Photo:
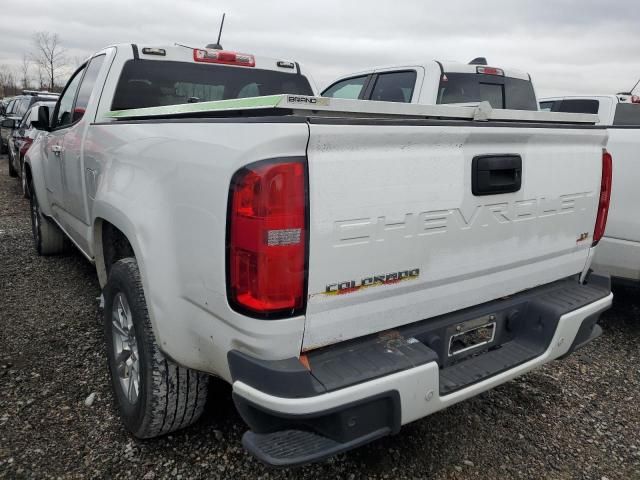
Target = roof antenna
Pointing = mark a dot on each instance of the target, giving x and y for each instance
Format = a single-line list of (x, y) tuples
[(630, 92), (217, 46)]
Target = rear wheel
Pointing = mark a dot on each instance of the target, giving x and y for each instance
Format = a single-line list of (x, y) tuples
[(154, 395), (47, 237)]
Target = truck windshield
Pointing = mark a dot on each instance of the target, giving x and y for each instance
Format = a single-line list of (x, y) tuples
[(152, 83), (499, 91)]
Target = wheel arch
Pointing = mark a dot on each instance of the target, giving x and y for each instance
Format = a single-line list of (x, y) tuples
[(34, 163), (114, 238)]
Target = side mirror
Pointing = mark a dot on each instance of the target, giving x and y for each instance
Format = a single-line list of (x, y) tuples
[(42, 123), (10, 123)]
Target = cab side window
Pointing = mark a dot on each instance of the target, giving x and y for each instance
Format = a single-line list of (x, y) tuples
[(350, 88), (64, 115), (394, 87), (86, 87)]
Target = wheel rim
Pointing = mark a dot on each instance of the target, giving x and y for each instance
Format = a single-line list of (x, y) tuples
[(125, 348)]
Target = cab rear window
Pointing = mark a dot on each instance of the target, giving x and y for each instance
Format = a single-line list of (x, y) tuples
[(575, 105), (499, 91), (152, 83), (627, 114)]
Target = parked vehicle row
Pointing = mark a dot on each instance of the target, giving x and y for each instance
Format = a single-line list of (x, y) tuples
[(21, 139), (15, 116)]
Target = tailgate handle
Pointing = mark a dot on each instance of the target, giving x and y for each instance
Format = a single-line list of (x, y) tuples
[(495, 174)]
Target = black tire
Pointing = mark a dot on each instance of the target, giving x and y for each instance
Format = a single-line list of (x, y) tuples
[(25, 181), (170, 397), (12, 171), (47, 237)]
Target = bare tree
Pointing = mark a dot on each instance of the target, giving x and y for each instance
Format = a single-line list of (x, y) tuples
[(49, 55), (41, 78), (7, 81), (24, 71)]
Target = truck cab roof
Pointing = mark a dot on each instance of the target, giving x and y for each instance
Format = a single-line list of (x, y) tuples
[(435, 82), (154, 75), (443, 66), (184, 53)]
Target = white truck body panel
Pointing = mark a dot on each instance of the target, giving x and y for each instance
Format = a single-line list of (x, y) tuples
[(391, 199), (619, 251)]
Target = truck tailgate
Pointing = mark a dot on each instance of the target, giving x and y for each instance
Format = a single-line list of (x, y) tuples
[(398, 236)]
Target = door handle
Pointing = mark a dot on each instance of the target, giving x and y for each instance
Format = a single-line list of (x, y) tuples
[(57, 149), (495, 174)]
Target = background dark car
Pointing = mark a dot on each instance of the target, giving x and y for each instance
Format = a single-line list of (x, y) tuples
[(22, 138), (14, 112), (6, 106), (4, 102)]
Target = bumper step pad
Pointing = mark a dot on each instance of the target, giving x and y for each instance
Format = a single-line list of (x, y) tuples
[(490, 363), (286, 448)]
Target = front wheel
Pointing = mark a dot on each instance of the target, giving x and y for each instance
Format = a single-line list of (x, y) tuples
[(12, 171), (154, 394)]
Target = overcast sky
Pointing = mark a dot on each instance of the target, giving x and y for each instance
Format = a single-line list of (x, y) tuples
[(568, 46)]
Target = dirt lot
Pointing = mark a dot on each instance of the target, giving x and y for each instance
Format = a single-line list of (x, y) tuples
[(575, 419)]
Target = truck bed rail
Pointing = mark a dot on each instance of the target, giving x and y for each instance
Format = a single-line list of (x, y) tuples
[(302, 105)]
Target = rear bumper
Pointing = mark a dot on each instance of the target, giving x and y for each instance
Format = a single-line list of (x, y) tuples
[(342, 417)]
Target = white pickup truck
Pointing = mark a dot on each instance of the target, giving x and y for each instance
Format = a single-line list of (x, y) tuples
[(349, 267), (619, 250), (436, 82)]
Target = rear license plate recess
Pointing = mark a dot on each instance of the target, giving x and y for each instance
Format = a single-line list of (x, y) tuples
[(470, 335)]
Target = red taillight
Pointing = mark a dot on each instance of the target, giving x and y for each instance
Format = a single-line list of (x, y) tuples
[(490, 71), (635, 99), (605, 197), (223, 56), (267, 238)]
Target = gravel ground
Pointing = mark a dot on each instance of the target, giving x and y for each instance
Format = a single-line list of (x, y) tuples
[(575, 419)]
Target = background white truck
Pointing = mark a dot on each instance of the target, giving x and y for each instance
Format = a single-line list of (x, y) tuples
[(619, 250), (437, 82), (349, 267)]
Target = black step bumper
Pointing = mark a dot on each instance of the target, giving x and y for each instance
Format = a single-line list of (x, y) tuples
[(356, 391)]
